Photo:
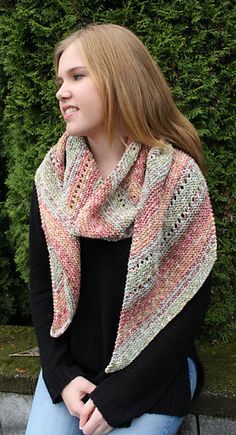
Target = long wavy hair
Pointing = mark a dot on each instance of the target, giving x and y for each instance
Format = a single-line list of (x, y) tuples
[(134, 92)]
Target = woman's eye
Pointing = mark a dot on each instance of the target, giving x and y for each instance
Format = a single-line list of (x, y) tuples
[(78, 76)]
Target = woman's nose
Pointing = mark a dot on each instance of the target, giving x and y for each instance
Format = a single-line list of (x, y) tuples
[(63, 93)]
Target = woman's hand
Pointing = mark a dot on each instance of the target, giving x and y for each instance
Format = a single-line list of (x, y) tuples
[(91, 420), (73, 394)]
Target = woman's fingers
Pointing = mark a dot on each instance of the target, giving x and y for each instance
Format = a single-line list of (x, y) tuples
[(73, 393), (96, 424), (86, 412)]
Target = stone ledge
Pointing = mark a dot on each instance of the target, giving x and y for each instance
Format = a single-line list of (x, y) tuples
[(18, 384), (208, 403), (14, 412), (215, 404), (207, 425), (15, 408), (18, 374)]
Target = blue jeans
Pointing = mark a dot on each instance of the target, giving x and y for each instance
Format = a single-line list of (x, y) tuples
[(47, 418)]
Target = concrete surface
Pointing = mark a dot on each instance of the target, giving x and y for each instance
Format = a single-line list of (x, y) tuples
[(208, 426), (217, 426), (14, 411)]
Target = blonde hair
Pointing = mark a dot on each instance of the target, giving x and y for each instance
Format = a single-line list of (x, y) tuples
[(134, 92)]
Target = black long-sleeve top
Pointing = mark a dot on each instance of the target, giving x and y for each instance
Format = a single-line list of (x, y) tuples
[(157, 380)]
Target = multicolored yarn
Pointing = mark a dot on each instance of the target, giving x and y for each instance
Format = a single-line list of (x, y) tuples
[(161, 199)]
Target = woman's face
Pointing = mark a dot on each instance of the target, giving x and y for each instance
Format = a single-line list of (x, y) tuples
[(79, 99)]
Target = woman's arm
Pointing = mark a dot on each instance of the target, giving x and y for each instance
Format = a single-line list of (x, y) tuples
[(58, 367), (130, 392)]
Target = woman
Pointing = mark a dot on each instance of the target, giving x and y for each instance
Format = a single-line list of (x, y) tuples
[(122, 243)]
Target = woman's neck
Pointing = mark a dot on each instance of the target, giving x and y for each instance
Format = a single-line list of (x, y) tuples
[(106, 154)]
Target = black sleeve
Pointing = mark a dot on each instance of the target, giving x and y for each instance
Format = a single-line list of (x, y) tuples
[(136, 389), (57, 365)]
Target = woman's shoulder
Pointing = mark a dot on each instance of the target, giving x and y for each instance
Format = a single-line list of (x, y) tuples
[(54, 159), (175, 164), (186, 167)]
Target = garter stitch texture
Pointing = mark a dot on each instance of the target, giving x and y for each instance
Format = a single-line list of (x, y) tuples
[(160, 198)]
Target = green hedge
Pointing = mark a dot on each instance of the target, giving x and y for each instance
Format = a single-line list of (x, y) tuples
[(194, 43)]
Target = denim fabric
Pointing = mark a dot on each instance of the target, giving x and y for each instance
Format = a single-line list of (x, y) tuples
[(47, 418)]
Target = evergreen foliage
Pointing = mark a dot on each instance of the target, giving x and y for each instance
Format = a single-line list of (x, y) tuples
[(194, 43)]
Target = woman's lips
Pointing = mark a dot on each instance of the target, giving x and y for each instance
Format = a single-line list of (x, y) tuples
[(68, 111)]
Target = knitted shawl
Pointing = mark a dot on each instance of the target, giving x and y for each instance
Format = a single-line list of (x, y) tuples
[(160, 198)]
